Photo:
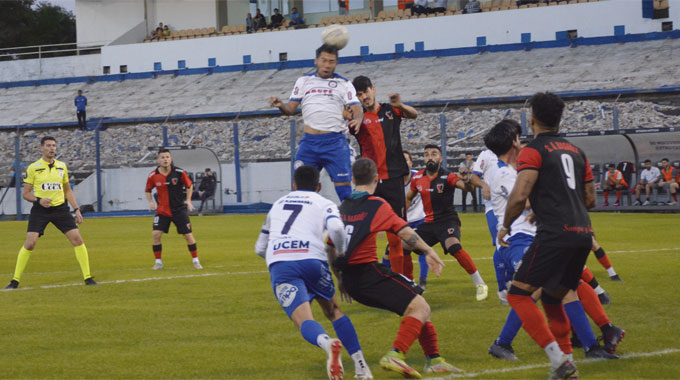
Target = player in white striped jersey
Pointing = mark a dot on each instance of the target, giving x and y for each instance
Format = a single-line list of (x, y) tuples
[(323, 97), (291, 241)]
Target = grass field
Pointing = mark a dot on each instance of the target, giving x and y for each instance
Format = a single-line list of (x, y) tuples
[(223, 321)]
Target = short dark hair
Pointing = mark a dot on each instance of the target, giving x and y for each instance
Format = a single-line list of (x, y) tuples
[(648, 160), (408, 153), (325, 48), (468, 153), (361, 83), (306, 178), (611, 166), (500, 138), (364, 171), (163, 150), (47, 138), (665, 159), (547, 109), (433, 146), (208, 170)]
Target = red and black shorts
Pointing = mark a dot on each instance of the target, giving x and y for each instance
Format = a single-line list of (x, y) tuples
[(375, 285), (392, 190), (60, 216), (437, 232), (179, 217), (554, 267)]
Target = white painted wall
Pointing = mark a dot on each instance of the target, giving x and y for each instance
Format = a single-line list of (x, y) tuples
[(503, 27), (58, 67), (98, 22), (185, 14)]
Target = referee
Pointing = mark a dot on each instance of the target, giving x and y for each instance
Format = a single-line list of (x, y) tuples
[(46, 186)]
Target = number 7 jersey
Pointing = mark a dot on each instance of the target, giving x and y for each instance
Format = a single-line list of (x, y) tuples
[(296, 225), (558, 196)]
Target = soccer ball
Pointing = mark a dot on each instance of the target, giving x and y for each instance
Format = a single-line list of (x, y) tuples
[(335, 35)]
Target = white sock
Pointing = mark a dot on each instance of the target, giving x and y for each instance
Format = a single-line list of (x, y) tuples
[(554, 354), (571, 357), (477, 278), (611, 272), (599, 290), (324, 341), (195, 260), (158, 261)]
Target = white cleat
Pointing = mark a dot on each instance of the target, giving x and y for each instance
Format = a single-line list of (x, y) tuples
[(198, 265), (362, 371), (157, 266), (482, 292), (333, 363)]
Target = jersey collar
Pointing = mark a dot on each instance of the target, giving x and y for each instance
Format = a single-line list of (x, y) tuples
[(358, 194)]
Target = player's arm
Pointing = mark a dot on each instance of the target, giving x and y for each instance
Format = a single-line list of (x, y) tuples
[(28, 195), (287, 109), (526, 179), (71, 198), (152, 204), (476, 181), (590, 197), (336, 231), (263, 239), (406, 111), (409, 198), (411, 238), (190, 191), (357, 117)]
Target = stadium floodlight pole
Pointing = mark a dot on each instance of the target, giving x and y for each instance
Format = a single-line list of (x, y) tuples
[(17, 174), (99, 165), (523, 122), (442, 125), (237, 163), (293, 137)]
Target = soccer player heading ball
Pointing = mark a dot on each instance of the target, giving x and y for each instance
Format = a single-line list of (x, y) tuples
[(174, 198), (323, 96)]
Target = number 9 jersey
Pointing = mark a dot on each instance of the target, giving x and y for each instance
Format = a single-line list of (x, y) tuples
[(558, 196), (296, 224)]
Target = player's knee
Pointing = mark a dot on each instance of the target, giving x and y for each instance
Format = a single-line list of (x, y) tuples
[(454, 248), (418, 308), (76, 241), (29, 244)]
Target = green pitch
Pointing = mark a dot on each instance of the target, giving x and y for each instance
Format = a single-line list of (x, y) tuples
[(223, 321)]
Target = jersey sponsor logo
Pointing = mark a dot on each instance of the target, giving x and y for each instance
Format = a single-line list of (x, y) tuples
[(354, 218), (285, 294), (389, 115), (558, 145), (319, 91), (578, 230), (159, 184), (367, 121), (440, 188), (333, 84), (174, 181), (291, 246), (50, 186), (451, 231)]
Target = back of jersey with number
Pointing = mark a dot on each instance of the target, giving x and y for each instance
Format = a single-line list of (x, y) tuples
[(557, 198), (296, 224)]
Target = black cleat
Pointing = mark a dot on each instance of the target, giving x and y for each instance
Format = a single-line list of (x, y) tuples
[(566, 371), (576, 342), (503, 351), (616, 278), (604, 298), (90, 281), (597, 352), (611, 337), (12, 284)]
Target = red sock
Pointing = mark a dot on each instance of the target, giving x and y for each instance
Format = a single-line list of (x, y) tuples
[(606, 196), (587, 275), (465, 261), (396, 254), (532, 319), (618, 195), (409, 330), (604, 260), (193, 250), (591, 304), (157, 249), (428, 339), (559, 325), (675, 197)]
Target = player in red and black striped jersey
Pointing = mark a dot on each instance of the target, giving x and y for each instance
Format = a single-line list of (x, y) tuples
[(380, 140), (436, 187), (363, 278), (556, 177), (174, 190)]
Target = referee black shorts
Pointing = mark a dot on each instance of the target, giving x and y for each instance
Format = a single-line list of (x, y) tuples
[(437, 232), (392, 190), (375, 285), (179, 217), (554, 267), (60, 216)]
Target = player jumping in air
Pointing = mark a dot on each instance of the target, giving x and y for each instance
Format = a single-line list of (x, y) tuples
[(291, 241), (174, 198), (323, 96)]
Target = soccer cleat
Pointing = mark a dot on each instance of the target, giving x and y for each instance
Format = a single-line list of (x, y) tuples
[(637, 203), (333, 363), (394, 361), (482, 292), (604, 298), (672, 203), (90, 281), (617, 203), (362, 370), (612, 337), (615, 278), (503, 296), (439, 365), (503, 351), (157, 266), (198, 265), (605, 204), (597, 352), (655, 203), (575, 341), (566, 371), (12, 284), (646, 203)]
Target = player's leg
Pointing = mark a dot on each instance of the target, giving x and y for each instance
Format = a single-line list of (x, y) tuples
[(619, 191), (183, 225), (23, 257), (81, 254), (638, 190), (492, 224), (648, 191), (603, 259), (605, 193), (392, 190), (674, 193), (449, 237), (335, 158), (590, 279), (581, 326), (161, 224)]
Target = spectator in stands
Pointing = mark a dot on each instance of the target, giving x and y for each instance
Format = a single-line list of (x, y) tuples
[(166, 31), (667, 181), (277, 19), (649, 177), (206, 189), (420, 7), (473, 6), (296, 18), (158, 33), (613, 180), (439, 6), (250, 24), (81, 103), (259, 22), (343, 7), (464, 171)]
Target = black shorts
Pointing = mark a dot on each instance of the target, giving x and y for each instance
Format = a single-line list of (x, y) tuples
[(60, 216), (554, 267), (179, 218), (392, 190), (375, 285), (437, 232)]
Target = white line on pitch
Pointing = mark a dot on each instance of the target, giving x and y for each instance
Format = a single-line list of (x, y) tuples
[(546, 365), (608, 252)]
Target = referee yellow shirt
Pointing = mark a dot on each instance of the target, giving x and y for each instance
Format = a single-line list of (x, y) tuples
[(48, 180)]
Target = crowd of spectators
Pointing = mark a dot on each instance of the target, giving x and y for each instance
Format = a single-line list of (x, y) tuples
[(160, 31), (259, 22)]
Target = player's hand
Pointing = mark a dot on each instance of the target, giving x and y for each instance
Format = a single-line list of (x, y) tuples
[(395, 100), (486, 193), (79, 217), (347, 113), (501, 234), (275, 102), (344, 296), (354, 125), (45, 202), (190, 206), (152, 206), (436, 264)]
